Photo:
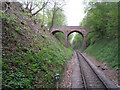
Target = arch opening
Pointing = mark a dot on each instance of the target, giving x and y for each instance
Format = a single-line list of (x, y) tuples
[(54, 32), (75, 40), (76, 32), (60, 36)]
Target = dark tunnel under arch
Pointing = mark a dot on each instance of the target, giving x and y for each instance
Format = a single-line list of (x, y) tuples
[(75, 31), (57, 32)]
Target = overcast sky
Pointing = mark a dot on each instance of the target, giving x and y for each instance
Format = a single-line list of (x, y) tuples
[(74, 12)]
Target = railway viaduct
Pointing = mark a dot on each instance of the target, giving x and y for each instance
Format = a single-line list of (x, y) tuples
[(67, 30)]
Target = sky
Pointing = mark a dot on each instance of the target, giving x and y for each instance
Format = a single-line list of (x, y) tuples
[(74, 12)]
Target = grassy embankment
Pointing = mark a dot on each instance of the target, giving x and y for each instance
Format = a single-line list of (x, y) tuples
[(34, 68), (105, 50), (30, 57)]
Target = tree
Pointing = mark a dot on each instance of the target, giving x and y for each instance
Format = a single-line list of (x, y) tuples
[(34, 7), (102, 18), (57, 19), (51, 9), (57, 13)]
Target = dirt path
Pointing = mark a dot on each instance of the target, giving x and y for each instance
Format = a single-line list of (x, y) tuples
[(67, 74), (71, 75)]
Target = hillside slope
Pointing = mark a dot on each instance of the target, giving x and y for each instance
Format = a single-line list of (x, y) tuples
[(30, 55), (105, 50)]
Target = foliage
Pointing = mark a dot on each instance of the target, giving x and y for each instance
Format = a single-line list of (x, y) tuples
[(59, 18), (61, 37), (102, 18), (105, 50), (7, 17), (31, 60), (102, 42), (43, 35), (34, 68), (26, 28), (77, 42)]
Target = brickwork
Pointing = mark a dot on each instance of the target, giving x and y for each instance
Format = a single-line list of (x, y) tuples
[(67, 30)]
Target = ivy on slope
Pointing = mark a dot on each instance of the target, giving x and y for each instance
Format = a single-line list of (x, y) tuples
[(34, 69), (105, 50), (30, 57)]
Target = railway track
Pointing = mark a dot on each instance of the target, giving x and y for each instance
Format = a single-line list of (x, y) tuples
[(92, 77)]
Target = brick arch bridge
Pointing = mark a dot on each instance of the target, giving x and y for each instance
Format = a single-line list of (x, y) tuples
[(67, 30)]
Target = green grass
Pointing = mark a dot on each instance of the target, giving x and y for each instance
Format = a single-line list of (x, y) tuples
[(105, 50)]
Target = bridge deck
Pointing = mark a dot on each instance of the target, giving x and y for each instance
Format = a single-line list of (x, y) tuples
[(66, 27)]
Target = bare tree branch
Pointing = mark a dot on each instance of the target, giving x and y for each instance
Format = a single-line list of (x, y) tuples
[(43, 6), (31, 5), (33, 8), (27, 4)]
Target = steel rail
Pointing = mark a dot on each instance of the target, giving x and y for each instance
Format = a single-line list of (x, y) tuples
[(93, 71), (104, 80), (82, 73)]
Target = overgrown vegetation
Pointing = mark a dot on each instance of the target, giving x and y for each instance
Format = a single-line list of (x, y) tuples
[(105, 50), (30, 56), (102, 19), (61, 37), (77, 42), (27, 68)]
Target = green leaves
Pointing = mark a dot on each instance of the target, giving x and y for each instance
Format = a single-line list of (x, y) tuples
[(102, 18), (103, 50), (17, 28), (26, 28), (43, 35), (28, 69), (58, 20)]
